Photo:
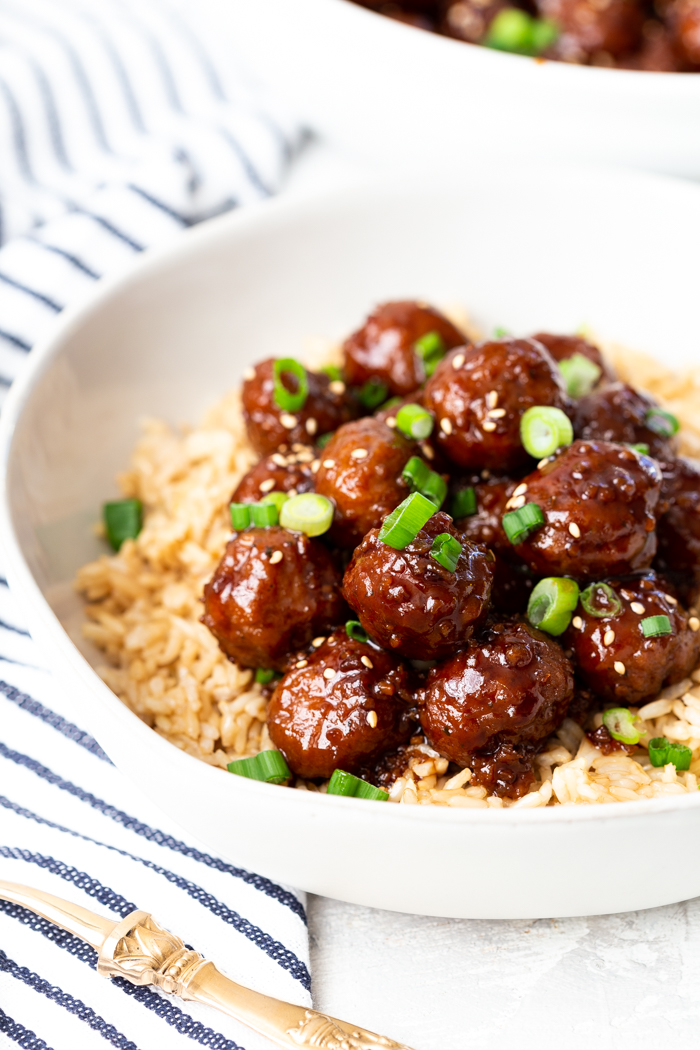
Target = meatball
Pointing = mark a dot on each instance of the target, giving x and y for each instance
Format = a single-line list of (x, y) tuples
[(610, 649), (599, 502), (562, 347), (683, 18), (619, 413), (270, 427), (510, 687), (408, 602), (589, 29), (277, 473), (339, 706), (272, 592), (678, 529), (361, 472), (478, 396), (383, 349)]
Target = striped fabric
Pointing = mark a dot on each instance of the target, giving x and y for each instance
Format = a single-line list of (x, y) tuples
[(119, 127)]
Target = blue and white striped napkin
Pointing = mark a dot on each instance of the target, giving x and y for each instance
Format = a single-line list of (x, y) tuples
[(119, 127)]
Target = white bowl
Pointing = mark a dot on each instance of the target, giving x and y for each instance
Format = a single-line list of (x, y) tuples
[(396, 95), (168, 338)]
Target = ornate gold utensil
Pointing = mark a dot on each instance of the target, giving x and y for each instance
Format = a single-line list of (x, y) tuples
[(141, 951)]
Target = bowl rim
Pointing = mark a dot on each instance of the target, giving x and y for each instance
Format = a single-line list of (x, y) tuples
[(259, 216), (523, 64)]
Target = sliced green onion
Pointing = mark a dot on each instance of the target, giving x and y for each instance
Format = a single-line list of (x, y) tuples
[(544, 429), (599, 600), (501, 333), (285, 399), (544, 33), (580, 374), (324, 439), (435, 489), (431, 349), (658, 750), (516, 31), (123, 520), (680, 755), (656, 626), (416, 473), (414, 421), (403, 524), (619, 722), (342, 783), (518, 524), (662, 422), (373, 393), (356, 631), (240, 516), (309, 513), (391, 403), (641, 447), (552, 604), (268, 766), (264, 675), (276, 498), (446, 550), (262, 515), (464, 503), (333, 372)]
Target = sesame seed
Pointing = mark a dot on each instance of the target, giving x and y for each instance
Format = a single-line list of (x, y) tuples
[(329, 673), (366, 661), (276, 557), (298, 447), (267, 485), (359, 453), (670, 599), (620, 667), (488, 426), (302, 663), (249, 374), (318, 641), (278, 460), (492, 398), (521, 489), (446, 425), (311, 426), (515, 502), (497, 413), (315, 465), (577, 622), (305, 457), (694, 623), (291, 492), (337, 386), (287, 421), (627, 596), (574, 530), (543, 463), (458, 361), (372, 719), (608, 637), (390, 421), (427, 450), (485, 475), (637, 608), (328, 463)]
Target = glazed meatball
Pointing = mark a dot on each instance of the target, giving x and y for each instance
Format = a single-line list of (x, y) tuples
[(610, 649), (589, 29), (683, 18), (259, 606), (270, 427), (408, 602), (478, 396), (510, 687), (361, 473), (678, 529), (343, 704), (620, 413), (599, 502), (562, 347), (277, 473), (383, 349)]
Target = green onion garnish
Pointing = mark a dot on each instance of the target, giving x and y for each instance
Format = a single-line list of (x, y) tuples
[(680, 755), (435, 489), (309, 513), (416, 473), (342, 783), (662, 751), (656, 626), (276, 498), (414, 421), (544, 429), (373, 393), (580, 374), (500, 333), (641, 447), (599, 600), (391, 403), (285, 399), (663, 423), (619, 722), (240, 516), (518, 524), (446, 550), (431, 349), (464, 503), (333, 372), (516, 31), (544, 34), (264, 675), (403, 524), (262, 515), (552, 604), (268, 766), (324, 439), (356, 631), (123, 519)]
